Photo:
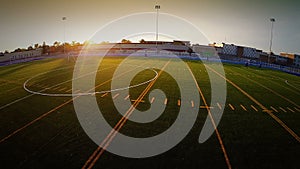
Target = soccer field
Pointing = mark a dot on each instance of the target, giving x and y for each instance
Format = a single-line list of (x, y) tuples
[(259, 127)]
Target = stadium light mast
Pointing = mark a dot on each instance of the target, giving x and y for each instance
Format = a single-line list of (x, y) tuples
[(271, 38), (157, 7), (64, 43)]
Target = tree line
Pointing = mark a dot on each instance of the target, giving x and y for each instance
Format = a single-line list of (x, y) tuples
[(60, 47)]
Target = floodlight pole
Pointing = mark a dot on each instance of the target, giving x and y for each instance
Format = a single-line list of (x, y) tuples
[(64, 43), (157, 7), (271, 38)]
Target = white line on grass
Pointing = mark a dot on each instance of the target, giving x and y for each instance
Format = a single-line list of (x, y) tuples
[(220, 107), (243, 107), (116, 95), (25, 97), (282, 109), (290, 109), (232, 108), (84, 94), (254, 108), (152, 100), (274, 109)]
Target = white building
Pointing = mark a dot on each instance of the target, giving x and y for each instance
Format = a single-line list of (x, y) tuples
[(229, 49), (21, 55), (250, 52), (236, 51)]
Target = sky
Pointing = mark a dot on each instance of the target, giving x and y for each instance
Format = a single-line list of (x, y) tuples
[(241, 22)]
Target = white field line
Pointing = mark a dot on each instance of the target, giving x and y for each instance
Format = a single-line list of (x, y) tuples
[(22, 74), (45, 114), (16, 101), (90, 93), (287, 82), (274, 109), (152, 100), (243, 107), (105, 94), (282, 109), (69, 90), (232, 108), (275, 82), (106, 142), (271, 90), (116, 95), (213, 122), (166, 101), (25, 97), (269, 112), (290, 109), (126, 97), (12, 89), (192, 103), (220, 107), (62, 89), (254, 108)]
